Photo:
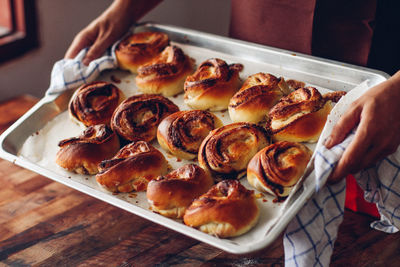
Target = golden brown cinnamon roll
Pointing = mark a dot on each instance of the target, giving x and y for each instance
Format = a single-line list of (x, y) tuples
[(259, 93), (166, 73), (82, 154), (226, 151), (171, 194), (140, 48), (131, 168), (228, 209), (212, 85), (277, 168), (138, 117), (182, 132), (299, 117), (94, 103)]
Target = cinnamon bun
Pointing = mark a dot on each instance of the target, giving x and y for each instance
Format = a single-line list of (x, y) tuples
[(259, 93), (299, 117), (212, 85), (166, 73), (277, 168), (140, 48), (171, 194), (82, 154), (226, 151), (94, 103), (131, 168), (228, 209), (138, 117), (182, 132)]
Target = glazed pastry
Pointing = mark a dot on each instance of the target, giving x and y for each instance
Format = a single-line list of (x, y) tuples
[(131, 168), (300, 116), (140, 48), (94, 103), (259, 93), (138, 117), (182, 132), (166, 73), (171, 194), (212, 85), (82, 154), (228, 209), (277, 168), (226, 151)]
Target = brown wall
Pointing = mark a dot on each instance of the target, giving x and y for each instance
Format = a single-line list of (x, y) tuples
[(60, 20)]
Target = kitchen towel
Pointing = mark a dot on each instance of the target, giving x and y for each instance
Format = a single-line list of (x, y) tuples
[(71, 73), (310, 236)]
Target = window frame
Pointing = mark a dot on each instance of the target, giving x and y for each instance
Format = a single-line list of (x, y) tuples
[(23, 34)]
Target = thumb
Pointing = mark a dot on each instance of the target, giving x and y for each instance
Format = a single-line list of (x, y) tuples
[(342, 128)]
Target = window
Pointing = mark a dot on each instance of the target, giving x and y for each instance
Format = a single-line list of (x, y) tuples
[(17, 28)]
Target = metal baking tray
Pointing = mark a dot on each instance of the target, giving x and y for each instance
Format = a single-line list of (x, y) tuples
[(43, 118)]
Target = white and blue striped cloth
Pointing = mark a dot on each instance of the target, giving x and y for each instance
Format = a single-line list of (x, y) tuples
[(310, 237), (71, 73)]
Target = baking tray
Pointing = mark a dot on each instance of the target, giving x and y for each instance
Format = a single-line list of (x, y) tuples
[(44, 120)]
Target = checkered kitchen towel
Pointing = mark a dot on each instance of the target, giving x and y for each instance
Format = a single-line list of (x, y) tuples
[(71, 73), (310, 236)]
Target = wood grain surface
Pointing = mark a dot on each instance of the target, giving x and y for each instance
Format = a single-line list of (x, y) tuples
[(44, 223)]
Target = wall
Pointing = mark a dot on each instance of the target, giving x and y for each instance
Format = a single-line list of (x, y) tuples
[(60, 20)]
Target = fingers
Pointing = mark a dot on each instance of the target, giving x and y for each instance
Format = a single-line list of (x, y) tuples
[(345, 124), (354, 153), (96, 50), (79, 42)]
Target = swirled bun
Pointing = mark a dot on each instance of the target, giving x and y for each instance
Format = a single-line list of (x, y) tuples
[(212, 85), (138, 117), (82, 154), (228, 209), (259, 93), (299, 117), (94, 103), (140, 48), (226, 151), (182, 132), (131, 168), (277, 168), (166, 73), (171, 194)]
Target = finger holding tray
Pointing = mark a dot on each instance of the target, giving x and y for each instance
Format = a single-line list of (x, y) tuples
[(32, 141)]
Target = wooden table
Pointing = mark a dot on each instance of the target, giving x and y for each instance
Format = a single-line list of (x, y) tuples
[(45, 223)]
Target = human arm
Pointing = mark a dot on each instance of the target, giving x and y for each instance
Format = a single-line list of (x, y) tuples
[(378, 114), (111, 25)]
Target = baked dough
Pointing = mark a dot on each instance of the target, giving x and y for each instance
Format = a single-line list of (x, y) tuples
[(182, 132), (171, 194), (131, 168), (82, 154), (166, 73), (277, 168), (212, 85), (226, 151), (94, 103), (138, 117), (259, 93), (140, 48), (228, 209), (300, 116)]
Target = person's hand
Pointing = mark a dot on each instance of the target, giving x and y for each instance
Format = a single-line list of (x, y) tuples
[(111, 25), (378, 134)]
